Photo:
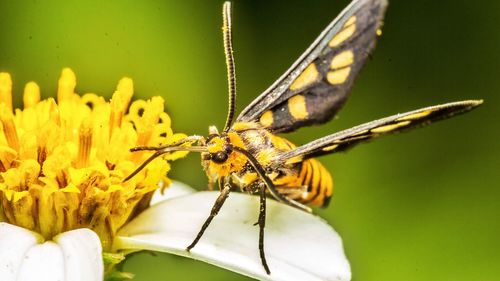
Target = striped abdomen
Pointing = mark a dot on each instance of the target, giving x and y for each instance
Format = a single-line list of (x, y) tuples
[(318, 181)]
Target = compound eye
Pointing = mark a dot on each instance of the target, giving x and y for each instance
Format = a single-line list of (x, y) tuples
[(219, 157)]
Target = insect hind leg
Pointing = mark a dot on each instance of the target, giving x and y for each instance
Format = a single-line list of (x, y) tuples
[(262, 224)]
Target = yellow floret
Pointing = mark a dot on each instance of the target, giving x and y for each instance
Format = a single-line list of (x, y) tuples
[(62, 163)]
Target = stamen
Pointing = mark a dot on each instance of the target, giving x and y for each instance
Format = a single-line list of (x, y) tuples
[(6, 89), (41, 154), (119, 103), (54, 114), (126, 88), (66, 85), (61, 170), (85, 145), (9, 128), (31, 95), (7, 157), (150, 116)]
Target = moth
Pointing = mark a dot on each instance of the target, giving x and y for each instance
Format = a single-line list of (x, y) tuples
[(249, 155)]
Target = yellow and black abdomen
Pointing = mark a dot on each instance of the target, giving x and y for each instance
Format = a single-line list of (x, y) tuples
[(318, 182)]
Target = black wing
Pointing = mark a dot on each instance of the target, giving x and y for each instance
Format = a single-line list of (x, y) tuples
[(318, 83), (393, 124)]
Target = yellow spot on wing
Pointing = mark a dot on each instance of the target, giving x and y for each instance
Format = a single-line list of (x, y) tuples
[(293, 160), (360, 133), (267, 119), (242, 126), (330, 148), (379, 32), (342, 36), (297, 107), (345, 58), (415, 116), (306, 78), (391, 127), (350, 21), (338, 76)]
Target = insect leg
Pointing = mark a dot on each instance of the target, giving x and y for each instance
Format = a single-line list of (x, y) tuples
[(163, 150), (215, 210), (262, 225), (269, 183), (180, 142)]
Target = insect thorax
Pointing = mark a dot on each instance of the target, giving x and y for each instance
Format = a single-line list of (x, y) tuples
[(261, 143)]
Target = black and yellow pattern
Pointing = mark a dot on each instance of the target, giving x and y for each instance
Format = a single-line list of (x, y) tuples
[(248, 154), (389, 125), (318, 83), (307, 182)]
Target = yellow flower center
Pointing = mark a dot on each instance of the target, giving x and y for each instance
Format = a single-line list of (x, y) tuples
[(62, 163)]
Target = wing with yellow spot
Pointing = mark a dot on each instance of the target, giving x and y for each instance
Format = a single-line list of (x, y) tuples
[(393, 124), (318, 83)]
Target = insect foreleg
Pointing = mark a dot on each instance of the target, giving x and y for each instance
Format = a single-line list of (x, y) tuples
[(215, 210), (192, 139), (175, 146)]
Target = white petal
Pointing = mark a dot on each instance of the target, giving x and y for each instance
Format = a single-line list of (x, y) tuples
[(42, 262), (14, 243), (73, 255), (298, 246), (82, 253), (175, 189)]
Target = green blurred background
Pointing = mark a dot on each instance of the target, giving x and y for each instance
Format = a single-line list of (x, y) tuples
[(420, 206)]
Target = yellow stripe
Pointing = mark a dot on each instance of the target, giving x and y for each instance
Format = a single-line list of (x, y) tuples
[(316, 179), (309, 173), (414, 116), (325, 190), (302, 175), (388, 128), (294, 160), (243, 126), (330, 147), (328, 182)]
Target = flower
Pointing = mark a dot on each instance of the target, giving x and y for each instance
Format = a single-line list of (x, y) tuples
[(66, 214)]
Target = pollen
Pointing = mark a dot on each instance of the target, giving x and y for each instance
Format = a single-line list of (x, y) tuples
[(62, 163)]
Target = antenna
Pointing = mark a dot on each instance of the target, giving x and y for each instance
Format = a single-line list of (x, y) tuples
[(228, 51)]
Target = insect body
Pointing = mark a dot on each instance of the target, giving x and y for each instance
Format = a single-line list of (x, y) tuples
[(306, 182), (249, 155)]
